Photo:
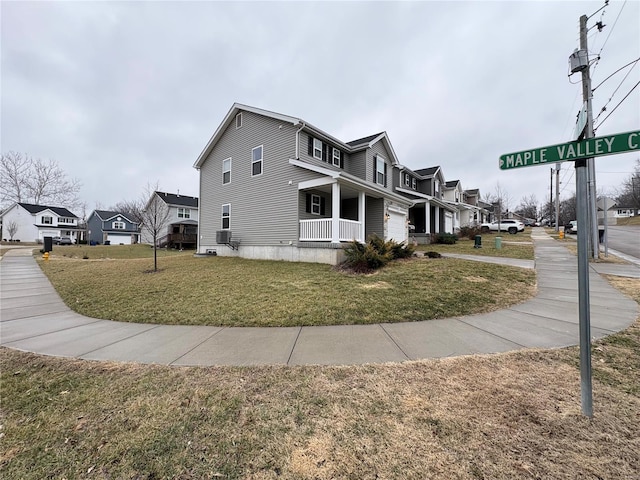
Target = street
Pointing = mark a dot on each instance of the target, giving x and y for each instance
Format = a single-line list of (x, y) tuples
[(625, 239)]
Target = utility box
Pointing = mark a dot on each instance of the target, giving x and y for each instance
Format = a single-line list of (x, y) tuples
[(498, 243), (48, 244), (478, 241), (578, 60)]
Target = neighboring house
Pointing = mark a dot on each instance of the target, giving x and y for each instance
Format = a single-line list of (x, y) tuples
[(274, 186), (34, 222), (180, 229), (114, 227), (624, 212), (481, 211), (430, 212)]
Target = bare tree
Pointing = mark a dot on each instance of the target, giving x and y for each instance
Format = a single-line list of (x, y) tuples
[(12, 228), (131, 208), (528, 207), (33, 180), (501, 199), (153, 217), (629, 194)]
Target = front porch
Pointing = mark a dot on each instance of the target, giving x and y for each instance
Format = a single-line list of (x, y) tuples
[(341, 210), (322, 230)]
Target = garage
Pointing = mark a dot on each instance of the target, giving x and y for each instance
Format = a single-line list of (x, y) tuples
[(397, 226), (118, 239)]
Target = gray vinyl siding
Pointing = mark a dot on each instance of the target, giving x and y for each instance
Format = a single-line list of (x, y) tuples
[(98, 227), (357, 164), (302, 204), (378, 148), (374, 217), (264, 208)]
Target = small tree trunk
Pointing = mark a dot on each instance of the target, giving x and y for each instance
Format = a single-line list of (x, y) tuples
[(155, 254)]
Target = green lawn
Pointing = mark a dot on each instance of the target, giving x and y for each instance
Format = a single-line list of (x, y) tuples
[(505, 416), (513, 246), (241, 292)]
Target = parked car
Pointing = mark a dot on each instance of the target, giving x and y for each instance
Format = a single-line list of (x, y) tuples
[(62, 241), (508, 225), (571, 227)]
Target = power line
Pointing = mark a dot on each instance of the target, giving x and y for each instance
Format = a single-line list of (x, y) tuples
[(604, 107), (614, 109), (610, 32)]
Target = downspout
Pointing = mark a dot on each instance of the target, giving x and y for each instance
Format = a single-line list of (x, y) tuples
[(298, 140)]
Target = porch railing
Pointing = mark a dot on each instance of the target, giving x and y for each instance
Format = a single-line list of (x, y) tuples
[(320, 230)]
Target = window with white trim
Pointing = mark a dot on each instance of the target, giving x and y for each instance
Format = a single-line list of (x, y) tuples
[(184, 212), (336, 157), (414, 183), (47, 220), (407, 179), (256, 161), (226, 216), (65, 220), (226, 170), (317, 149), (316, 204), (118, 225), (380, 170), (239, 120)]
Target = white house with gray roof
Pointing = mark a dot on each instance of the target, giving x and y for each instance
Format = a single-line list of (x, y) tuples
[(274, 186), (34, 222)]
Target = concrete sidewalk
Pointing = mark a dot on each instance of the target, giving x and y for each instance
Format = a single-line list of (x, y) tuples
[(34, 318)]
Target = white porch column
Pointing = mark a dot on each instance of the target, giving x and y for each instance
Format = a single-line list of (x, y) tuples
[(427, 217), (437, 219), (361, 214), (335, 213)]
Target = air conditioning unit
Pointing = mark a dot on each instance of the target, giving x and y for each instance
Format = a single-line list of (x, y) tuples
[(223, 236)]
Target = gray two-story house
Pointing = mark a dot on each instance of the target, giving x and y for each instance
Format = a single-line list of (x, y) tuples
[(274, 186), (430, 212), (112, 228), (176, 222)]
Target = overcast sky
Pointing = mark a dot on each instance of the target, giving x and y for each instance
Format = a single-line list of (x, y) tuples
[(128, 93)]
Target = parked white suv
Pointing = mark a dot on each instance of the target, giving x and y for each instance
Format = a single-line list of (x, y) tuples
[(508, 225)]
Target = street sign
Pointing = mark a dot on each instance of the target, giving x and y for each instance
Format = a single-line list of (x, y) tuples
[(563, 152)]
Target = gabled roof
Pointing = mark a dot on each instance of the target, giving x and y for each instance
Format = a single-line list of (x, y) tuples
[(177, 199), (105, 215), (33, 209), (364, 141), (427, 172), (352, 146), (451, 183), (473, 191)]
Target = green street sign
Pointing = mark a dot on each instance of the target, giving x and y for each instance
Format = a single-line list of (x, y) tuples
[(563, 152)]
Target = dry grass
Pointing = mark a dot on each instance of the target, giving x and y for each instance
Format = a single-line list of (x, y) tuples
[(522, 249), (241, 292)]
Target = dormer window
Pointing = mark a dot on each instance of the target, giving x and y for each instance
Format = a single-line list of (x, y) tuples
[(414, 183), (407, 179)]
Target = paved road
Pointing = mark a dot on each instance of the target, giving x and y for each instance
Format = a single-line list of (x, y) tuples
[(34, 318), (625, 240)]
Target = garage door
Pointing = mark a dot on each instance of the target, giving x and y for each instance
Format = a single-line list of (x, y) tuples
[(448, 222), (118, 239), (397, 227)]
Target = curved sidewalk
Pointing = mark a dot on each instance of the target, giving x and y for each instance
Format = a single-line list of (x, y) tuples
[(33, 318)]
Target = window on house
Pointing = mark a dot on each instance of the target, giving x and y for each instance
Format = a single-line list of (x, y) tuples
[(239, 120), (407, 179), (226, 216), (118, 225), (46, 220), (336, 157), (226, 170), (380, 170), (256, 161), (316, 203), (184, 213), (65, 220), (414, 183), (317, 149)]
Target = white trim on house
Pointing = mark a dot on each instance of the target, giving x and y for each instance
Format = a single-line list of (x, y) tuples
[(260, 160), (226, 171)]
